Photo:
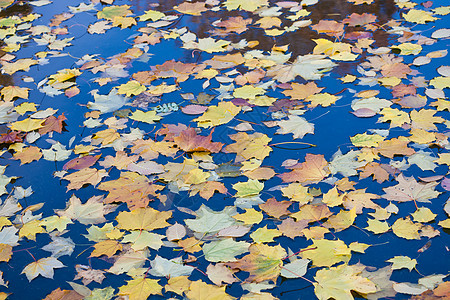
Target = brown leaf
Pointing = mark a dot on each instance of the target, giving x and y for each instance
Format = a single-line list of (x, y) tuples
[(291, 228), (395, 146), (276, 208)]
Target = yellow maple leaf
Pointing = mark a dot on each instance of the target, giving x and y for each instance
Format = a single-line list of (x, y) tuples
[(108, 136), (408, 48), (377, 226), (25, 107), (196, 176), (84, 176), (223, 113), (108, 248), (10, 92), (327, 252), (406, 229), (63, 75), (30, 229), (423, 215), (179, 284), (250, 188), (264, 235), (332, 198), (338, 282), (147, 117), (248, 92), (343, 220), (425, 119), (249, 146), (199, 290), (297, 192), (322, 99), (130, 88), (55, 222), (153, 15), (249, 5), (27, 125), (251, 216), (143, 219), (418, 16), (395, 116), (140, 288), (124, 22), (19, 65), (444, 159)]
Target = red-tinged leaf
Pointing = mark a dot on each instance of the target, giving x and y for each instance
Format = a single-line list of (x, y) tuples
[(53, 124), (190, 141), (194, 109), (81, 162)]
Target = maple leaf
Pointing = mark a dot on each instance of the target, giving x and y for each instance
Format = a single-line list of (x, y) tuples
[(395, 146), (309, 67), (108, 248), (224, 250), (84, 176), (248, 146), (264, 235), (63, 294), (194, 9), (250, 5), (130, 187), (223, 113), (408, 189), (199, 290), (332, 28), (338, 282), (161, 267), (129, 260), (276, 208), (400, 262), (43, 266), (291, 228), (92, 212), (302, 91), (109, 12), (327, 253), (27, 125), (233, 24), (359, 19), (188, 140), (312, 213), (130, 88), (143, 219), (250, 188), (219, 273), (28, 155), (10, 92), (207, 189), (296, 125), (140, 288), (209, 221), (263, 263), (406, 229), (313, 170)]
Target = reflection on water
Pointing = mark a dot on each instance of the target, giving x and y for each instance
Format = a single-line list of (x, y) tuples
[(300, 41), (20, 9)]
